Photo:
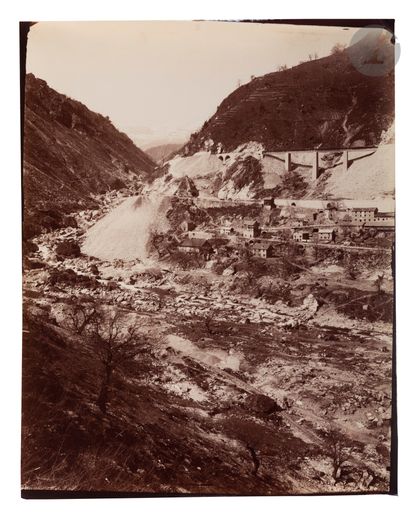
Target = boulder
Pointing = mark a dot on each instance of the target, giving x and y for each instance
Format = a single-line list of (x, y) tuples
[(262, 404)]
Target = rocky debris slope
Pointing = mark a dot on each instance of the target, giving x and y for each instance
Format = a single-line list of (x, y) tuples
[(124, 232), (371, 177)]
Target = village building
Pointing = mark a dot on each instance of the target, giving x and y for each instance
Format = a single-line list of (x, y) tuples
[(382, 222), (326, 235), (205, 235), (362, 215), (301, 235), (226, 229), (384, 217), (299, 220), (262, 250), (250, 229), (196, 245)]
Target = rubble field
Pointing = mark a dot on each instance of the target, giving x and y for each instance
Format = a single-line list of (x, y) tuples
[(228, 393)]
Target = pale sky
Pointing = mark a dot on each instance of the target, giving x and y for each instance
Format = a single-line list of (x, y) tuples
[(161, 80)]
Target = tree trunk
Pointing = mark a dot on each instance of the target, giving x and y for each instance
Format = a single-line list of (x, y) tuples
[(255, 459), (103, 394)]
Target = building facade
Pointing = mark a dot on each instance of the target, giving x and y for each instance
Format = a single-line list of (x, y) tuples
[(326, 235), (250, 229), (362, 215), (301, 235), (262, 250), (196, 245)]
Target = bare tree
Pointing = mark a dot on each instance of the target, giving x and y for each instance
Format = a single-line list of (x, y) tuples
[(80, 315), (379, 283), (337, 450), (337, 48), (114, 343), (255, 459)]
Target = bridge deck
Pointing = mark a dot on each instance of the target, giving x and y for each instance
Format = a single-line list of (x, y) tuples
[(321, 150)]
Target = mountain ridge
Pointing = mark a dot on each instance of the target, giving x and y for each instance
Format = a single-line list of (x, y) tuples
[(162, 152), (326, 103), (71, 153)]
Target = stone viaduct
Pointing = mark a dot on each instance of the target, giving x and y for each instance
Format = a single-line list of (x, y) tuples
[(348, 156), (290, 158)]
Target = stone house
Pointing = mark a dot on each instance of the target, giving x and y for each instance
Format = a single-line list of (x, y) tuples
[(362, 215), (301, 235), (262, 249), (196, 245), (326, 235), (226, 229), (250, 229)]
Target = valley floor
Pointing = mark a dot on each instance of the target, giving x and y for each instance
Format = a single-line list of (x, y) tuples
[(228, 394)]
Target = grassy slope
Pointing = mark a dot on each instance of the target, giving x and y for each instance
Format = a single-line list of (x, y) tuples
[(150, 440)]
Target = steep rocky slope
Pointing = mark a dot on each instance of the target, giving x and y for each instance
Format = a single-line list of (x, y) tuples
[(70, 153), (322, 103)]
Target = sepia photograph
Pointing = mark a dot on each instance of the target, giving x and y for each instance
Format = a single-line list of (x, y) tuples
[(208, 245)]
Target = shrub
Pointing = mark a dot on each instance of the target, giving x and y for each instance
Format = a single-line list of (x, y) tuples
[(31, 264), (68, 249), (29, 247), (117, 184), (337, 49), (187, 261), (71, 278)]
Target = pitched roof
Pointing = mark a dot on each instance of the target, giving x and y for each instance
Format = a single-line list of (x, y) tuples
[(261, 245), (364, 209), (326, 230), (385, 214), (194, 242), (247, 220)]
